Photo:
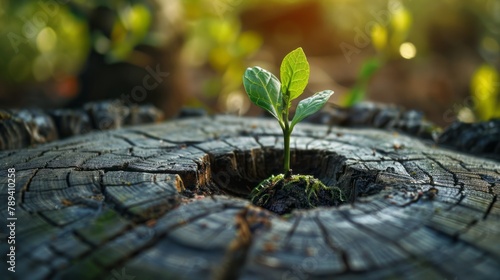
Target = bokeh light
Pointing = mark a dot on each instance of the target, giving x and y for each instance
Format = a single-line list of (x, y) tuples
[(46, 40), (407, 50), (393, 51)]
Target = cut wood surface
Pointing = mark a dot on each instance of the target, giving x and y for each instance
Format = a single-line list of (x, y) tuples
[(169, 201)]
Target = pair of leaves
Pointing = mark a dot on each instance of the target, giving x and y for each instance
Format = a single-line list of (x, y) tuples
[(266, 91)]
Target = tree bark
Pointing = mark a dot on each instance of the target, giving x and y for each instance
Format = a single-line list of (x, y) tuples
[(168, 201)]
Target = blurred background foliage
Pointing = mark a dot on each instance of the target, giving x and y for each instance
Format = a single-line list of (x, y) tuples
[(441, 57)]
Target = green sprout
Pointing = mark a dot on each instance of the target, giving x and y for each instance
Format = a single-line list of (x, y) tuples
[(266, 91)]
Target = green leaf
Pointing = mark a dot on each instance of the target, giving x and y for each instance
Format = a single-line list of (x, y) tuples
[(355, 95), (263, 89), (294, 74), (310, 106), (368, 68), (358, 91)]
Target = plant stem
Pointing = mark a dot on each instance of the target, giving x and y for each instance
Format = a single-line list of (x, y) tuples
[(287, 132), (286, 159)]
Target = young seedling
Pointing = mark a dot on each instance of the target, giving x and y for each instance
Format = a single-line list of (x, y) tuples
[(267, 92)]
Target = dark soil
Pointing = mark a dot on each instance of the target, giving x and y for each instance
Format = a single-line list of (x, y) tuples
[(281, 195)]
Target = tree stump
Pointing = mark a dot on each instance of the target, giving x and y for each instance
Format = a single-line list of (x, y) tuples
[(170, 201)]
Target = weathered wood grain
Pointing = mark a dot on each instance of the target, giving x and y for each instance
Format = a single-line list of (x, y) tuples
[(168, 201)]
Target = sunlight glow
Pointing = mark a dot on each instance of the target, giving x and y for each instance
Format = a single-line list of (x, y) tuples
[(407, 50)]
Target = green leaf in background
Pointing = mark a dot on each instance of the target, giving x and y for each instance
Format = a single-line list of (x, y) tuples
[(294, 74), (263, 89), (358, 91), (310, 106), (369, 68)]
